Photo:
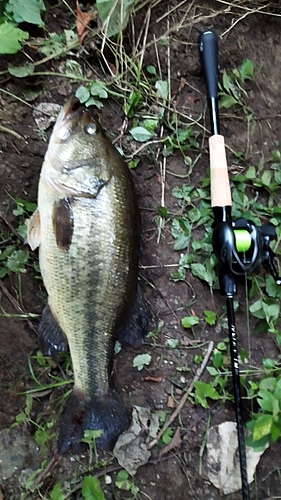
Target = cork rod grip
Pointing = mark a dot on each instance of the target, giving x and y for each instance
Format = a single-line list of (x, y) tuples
[(220, 187)]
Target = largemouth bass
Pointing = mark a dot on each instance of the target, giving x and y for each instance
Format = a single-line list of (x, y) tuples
[(88, 232)]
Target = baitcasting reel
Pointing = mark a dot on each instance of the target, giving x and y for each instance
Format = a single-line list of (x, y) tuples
[(242, 246)]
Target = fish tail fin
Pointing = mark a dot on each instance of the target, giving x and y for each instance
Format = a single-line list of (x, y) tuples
[(133, 331), (52, 340), (105, 412)]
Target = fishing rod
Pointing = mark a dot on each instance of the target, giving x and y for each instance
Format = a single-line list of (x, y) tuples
[(240, 246)]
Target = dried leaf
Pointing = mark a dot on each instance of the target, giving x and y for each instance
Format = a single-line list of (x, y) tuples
[(174, 443), (171, 403), (41, 394), (1, 495), (82, 21), (150, 378), (182, 84)]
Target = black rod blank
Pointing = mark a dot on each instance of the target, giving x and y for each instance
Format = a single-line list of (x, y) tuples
[(208, 45)]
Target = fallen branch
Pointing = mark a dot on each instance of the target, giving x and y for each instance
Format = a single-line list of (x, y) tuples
[(49, 467), (184, 398)]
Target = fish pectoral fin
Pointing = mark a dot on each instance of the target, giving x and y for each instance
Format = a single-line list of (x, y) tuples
[(33, 230), (52, 340)]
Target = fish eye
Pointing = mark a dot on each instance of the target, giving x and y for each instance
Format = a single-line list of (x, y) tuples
[(91, 129)]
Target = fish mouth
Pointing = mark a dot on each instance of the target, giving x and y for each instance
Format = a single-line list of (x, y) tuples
[(72, 116)]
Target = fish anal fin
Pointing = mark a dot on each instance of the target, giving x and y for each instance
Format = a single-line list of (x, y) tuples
[(33, 230)]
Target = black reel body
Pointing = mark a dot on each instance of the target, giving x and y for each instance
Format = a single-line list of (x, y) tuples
[(242, 247)]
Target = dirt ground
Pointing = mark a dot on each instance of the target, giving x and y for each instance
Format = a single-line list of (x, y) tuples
[(175, 475)]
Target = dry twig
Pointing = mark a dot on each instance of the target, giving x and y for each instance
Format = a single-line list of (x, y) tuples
[(184, 398)]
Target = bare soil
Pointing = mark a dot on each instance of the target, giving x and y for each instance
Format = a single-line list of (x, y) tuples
[(175, 475)]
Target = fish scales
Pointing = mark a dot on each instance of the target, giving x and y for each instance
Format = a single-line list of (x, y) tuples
[(88, 255), (95, 289)]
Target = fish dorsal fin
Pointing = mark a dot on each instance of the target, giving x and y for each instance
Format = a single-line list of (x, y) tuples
[(33, 230)]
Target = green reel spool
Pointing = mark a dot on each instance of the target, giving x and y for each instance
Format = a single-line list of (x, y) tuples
[(242, 240)]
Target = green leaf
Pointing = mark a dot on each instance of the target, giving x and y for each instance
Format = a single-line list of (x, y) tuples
[(266, 178), (132, 103), (202, 272), (21, 417), (10, 38), (98, 90), (151, 69), (262, 426), (268, 384), (272, 289), (258, 445), (141, 134), (119, 16), (226, 81), (73, 69), (226, 101), (167, 436), (181, 242), (162, 89), (29, 10), (150, 124), (27, 205), (257, 309), (210, 317), (218, 359), (204, 390), (266, 400), (28, 404), (221, 346), (21, 71), (94, 102), (56, 493), (247, 69), (141, 360), (122, 481), (17, 260), (91, 489), (189, 321), (212, 371), (90, 435), (272, 311), (41, 437), (83, 94), (268, 363), (275, 432), (172, 343), (251, 173), (244, 355), (207, 389)]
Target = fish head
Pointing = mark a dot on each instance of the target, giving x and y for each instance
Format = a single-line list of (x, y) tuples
[(77, 161)]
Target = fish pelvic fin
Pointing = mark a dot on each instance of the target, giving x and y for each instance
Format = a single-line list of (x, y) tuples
[(105, 412), (134, 328), (52, 340), (33, 238)]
